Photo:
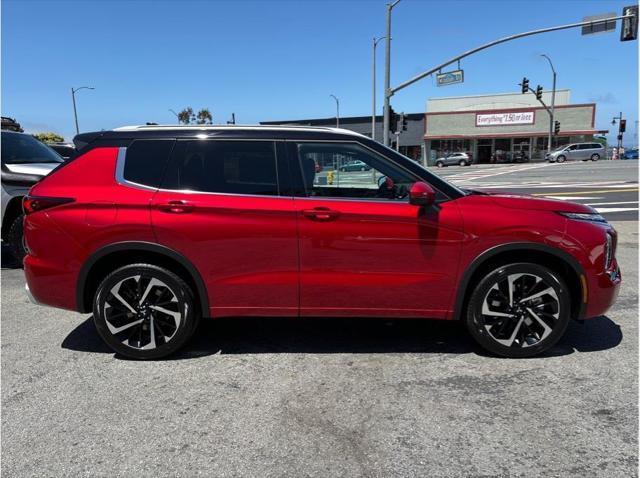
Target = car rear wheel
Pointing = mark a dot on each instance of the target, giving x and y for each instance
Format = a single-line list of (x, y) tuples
[(595, 157), (440, 164), (144, 311), (15, 238), (462, 162), (519, 310), (561, 158)]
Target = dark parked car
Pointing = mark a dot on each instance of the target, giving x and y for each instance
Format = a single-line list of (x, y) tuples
[(630, 154), (66, 150), (509, 157)]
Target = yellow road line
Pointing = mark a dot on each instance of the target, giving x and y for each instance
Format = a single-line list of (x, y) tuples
[(553, 193)]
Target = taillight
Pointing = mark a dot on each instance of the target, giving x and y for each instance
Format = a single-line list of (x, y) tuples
[(31, 204)]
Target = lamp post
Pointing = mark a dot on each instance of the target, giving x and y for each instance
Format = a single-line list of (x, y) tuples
[(73, 98), (387, 75), (553, 102), (337, 110), (373, 110)]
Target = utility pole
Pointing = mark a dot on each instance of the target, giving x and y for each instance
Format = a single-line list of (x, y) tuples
[(337, 110), (73, 98), (553, 103), (387, 76), (176, 115), (621, 129), (373, 110)]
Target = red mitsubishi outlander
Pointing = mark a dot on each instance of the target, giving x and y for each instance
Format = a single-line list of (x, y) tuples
[(152, 228)]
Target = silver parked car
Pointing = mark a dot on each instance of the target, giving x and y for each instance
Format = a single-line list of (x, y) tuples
[(25, 161), (581, 151), (462, 159)]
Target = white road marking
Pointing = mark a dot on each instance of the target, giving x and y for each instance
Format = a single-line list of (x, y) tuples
[(615, 209), (572, 198), (607, 203)]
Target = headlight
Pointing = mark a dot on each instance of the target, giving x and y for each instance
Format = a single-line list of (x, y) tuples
[(584, 216), (608, 252)]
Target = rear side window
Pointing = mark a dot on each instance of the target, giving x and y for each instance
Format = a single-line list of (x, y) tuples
[(146, 160), (232, 167)]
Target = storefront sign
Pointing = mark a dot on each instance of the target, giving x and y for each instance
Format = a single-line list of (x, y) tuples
[(450, 78), (505, 119)]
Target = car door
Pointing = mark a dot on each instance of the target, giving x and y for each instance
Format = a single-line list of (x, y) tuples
[(572, 152), (224, 206), (364, 250)]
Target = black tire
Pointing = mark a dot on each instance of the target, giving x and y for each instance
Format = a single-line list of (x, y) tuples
[(362, 169), (15, 239), (440, 164), (171, 287), (595, 157), (524, 329), (561, 159), (462, 162)]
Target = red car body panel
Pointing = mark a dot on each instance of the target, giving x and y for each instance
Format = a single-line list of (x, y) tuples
[(286, 256), (378, 258), (245, 249)]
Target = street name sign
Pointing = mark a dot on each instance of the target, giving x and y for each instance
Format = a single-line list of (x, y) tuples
[(450, 78)]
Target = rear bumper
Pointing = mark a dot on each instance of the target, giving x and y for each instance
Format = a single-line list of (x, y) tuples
[(48, 285), (32, 299)]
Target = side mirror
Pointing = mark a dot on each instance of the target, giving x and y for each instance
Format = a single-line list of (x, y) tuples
[(421, 194)]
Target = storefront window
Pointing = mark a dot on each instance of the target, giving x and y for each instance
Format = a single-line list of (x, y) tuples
[(442, 147)]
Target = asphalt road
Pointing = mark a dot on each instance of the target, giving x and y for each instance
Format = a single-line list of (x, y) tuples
[(611, 187), (324, 397)]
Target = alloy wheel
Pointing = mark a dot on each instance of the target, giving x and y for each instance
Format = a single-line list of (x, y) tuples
[(143, 312), (520, 310)]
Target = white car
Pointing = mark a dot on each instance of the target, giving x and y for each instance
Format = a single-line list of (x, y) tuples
[(25, 161), (462, 159)]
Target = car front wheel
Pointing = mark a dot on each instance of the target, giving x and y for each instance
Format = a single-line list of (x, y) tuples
[(144, 311), (519, 310), (561, 158), (440, 164)]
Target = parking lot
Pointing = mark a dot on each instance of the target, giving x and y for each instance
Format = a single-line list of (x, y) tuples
[(328, 397)]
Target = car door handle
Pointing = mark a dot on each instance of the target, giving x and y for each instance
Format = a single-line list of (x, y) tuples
[(176, 207), (320, 214)]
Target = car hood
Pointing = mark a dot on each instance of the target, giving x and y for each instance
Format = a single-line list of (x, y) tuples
[(40, 169), (516, 201)]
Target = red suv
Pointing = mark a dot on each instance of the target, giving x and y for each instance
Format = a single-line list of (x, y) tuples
[(152, 228)]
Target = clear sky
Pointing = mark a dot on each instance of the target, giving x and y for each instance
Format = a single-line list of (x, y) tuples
[(274, 60)]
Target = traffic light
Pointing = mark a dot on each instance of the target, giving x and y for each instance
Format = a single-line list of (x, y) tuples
[(525, 85), (556, 127), (629, 29), (539, 92), (623, 126), (393, 120), (403, 122)]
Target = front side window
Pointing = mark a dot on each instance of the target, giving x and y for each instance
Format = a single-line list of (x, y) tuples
[(350, 170), (232, 167)]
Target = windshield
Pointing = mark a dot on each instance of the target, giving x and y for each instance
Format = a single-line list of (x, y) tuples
[(25, 149)]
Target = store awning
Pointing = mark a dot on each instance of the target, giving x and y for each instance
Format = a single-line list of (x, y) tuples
[(522, 134)]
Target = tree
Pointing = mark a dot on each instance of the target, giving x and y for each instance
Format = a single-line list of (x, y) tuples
[(186, 116), (204, 116), (49, 137)]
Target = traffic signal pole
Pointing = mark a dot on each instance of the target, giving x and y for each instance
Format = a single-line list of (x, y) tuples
[(389, 92)]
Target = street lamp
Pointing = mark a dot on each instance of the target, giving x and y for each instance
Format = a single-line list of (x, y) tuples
[(337, 111), (553, 101), (387, 76), (373, 111), (73, 98)]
